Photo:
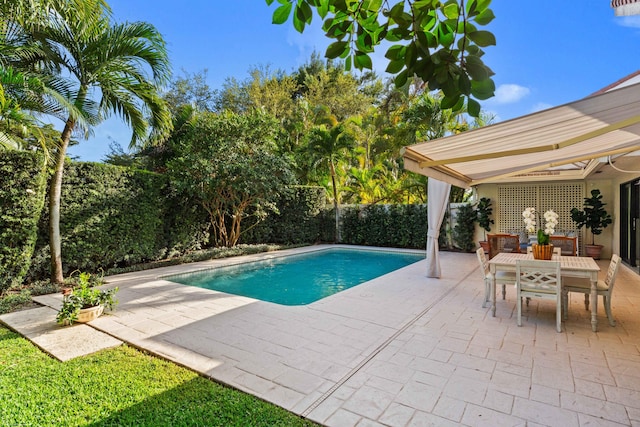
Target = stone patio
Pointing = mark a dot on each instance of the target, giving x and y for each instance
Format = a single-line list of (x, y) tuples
[(400, 350)]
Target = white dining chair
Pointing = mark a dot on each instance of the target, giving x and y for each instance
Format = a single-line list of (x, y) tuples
[(502, 277), (539, 279), (604, 288)]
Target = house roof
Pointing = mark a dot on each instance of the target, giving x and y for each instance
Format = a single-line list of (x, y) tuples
[(567, 142)]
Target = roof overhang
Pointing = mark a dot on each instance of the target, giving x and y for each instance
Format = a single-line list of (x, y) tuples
[(568, 142)]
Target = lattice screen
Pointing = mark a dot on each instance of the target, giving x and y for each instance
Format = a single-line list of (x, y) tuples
[(513, 199)]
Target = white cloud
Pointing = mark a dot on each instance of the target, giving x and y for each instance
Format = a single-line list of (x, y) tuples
[(628, 21), (510, 93), (312, 39), (539, 106)]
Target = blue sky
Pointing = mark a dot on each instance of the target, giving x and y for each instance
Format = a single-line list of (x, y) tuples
[(547, 55)]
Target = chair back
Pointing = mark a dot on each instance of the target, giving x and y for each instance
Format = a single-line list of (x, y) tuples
[(612, 272), (503, 243), (538, 276), (482, 259), (568, 245)]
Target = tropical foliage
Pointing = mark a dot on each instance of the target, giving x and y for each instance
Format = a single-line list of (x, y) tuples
[(319, 125), (228, 163), (439, 42), (88, 69)]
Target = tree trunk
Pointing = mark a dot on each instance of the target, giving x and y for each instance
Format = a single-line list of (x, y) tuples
[(55, 192), (335, 201)]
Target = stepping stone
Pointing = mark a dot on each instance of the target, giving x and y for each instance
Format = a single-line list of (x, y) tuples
[(62, 342)]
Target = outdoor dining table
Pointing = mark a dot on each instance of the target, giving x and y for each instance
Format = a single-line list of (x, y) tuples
[(570, 266)]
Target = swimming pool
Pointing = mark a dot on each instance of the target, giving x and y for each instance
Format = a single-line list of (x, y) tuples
[(300, 279)]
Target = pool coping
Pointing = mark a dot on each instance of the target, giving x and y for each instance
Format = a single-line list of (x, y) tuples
[(277, 255)]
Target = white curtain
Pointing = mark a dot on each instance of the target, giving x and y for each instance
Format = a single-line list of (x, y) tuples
[(437, 200)]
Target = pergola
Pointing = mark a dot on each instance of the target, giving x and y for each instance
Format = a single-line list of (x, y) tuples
[(571, 141)]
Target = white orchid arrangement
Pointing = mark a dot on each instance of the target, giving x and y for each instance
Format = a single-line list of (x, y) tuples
[(551, 221)]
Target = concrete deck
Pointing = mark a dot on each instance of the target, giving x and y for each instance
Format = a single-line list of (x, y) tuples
[(400, 350)]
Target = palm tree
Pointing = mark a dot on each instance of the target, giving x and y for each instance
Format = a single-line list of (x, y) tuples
[(330, 145), (106, 67)]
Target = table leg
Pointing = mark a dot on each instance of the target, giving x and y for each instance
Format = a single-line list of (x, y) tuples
[(594, 302), (493, 294)]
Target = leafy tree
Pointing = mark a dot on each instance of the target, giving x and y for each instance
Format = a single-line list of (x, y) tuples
[(105, 68), (336, 91), (228, 162), (439, 42), (190, 89), (329, 144)]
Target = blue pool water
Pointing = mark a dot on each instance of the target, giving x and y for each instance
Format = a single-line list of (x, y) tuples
[(300, 279)]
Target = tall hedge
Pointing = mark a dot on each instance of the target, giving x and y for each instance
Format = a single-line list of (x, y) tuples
[(299, 218), (22, 189), (385, 225), (115, 216)]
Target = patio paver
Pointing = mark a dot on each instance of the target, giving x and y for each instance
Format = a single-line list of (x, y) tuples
[(399, 350)]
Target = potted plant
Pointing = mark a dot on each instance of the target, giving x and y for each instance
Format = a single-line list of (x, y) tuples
[(483, 212), (595, 218), (84, 303)]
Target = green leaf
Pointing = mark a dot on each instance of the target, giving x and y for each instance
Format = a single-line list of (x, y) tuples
[(451, 11), (269, 2), (395, 52), (482, 38), (483, 89), (410, 54), (401, 79), (448, 102), (281, 14), (362, 60), (473, 107), (396, 11), (485, 17), (304, 13), (476, 68), (444, 36), (464, 84), (298, 24), (482, 5), (395, 66), (323, 9), (374, 5), (347, 63), (337, 49)]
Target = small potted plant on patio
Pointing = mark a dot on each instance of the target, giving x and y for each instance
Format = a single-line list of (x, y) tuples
[(593, 216), (84, 303), (484, 211)]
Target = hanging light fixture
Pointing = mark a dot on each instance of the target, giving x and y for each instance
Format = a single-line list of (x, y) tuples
[(626, 7)]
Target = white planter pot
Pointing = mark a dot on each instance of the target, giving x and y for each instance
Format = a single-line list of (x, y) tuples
[(88, 314)]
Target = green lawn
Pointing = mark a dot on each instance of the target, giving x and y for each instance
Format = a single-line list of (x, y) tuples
[(122, 387)]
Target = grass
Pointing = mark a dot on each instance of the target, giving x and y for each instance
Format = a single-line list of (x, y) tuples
[(119, 387)]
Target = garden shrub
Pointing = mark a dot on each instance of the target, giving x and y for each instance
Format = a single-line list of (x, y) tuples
[(22, 189), (463, 231)]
